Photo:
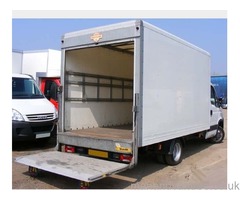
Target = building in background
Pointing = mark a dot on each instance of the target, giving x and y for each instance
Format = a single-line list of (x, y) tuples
[(17, 57)]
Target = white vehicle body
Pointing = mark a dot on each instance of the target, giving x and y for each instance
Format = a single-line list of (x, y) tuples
[(126, 87), (33, 116)]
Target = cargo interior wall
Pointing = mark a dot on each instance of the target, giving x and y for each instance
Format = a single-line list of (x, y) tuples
[(99, 88)]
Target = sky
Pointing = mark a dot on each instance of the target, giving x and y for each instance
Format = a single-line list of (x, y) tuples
[(209, 34)]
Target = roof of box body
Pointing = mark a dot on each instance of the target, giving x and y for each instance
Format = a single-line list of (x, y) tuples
[(101, 28), (130, 24)]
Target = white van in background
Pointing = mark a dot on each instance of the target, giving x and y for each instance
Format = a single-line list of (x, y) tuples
[(33, 116)]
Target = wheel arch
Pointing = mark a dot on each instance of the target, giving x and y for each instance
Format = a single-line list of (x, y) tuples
[(168, 146), (221, 123)]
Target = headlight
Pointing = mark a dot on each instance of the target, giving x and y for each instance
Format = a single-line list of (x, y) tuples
[(16, 116)]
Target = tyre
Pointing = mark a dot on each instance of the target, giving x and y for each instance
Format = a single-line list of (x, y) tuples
[(219, 137), (176, 153), (54, 132)]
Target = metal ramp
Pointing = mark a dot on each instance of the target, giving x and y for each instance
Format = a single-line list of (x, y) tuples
[(72, 165)]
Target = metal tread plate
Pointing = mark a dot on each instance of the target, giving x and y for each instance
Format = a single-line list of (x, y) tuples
[(72, 165)]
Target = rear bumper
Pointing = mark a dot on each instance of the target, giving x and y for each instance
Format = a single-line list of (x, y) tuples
[(23, 131)]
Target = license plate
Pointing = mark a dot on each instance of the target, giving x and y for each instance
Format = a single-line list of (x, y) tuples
[(97, 153), (42, 135)]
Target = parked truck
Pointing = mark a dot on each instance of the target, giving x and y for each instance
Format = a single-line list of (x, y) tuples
[(128, 87)]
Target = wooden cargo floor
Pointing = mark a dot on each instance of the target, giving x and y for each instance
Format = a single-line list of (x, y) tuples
[(114, 132)]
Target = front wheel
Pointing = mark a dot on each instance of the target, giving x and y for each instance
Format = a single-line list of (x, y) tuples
[(219, 137), (176, 156)]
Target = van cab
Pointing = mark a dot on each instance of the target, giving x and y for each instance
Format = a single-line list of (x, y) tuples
[(33, 116), (49, 87)]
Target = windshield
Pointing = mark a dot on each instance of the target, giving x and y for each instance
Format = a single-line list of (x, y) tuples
[(25, 88)]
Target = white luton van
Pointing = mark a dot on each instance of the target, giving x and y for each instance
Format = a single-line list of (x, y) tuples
[(128, 87), (33, 116)]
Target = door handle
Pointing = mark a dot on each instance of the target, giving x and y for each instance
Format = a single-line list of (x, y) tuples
[(211, 112)]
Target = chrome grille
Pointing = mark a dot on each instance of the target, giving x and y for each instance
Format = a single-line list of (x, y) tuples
[(40, 117)]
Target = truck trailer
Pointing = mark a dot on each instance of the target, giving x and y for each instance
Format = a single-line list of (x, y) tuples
[(128, 87)]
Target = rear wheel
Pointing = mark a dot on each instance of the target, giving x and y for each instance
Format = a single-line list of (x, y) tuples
[(175, 156)]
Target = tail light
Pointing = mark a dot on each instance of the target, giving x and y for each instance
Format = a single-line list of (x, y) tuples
[(69, 149), (125, 158)]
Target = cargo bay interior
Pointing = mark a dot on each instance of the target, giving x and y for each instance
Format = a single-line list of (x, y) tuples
[(99, 90)]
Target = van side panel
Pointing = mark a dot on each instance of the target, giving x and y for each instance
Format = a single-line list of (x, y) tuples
[(175, 94)]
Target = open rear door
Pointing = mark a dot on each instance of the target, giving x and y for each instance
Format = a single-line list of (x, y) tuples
[(72, 165)]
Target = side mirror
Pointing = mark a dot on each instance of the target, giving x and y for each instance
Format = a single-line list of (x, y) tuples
[(47, 94), (220, 99), (222, 102), (60, 89), (219, 102)]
